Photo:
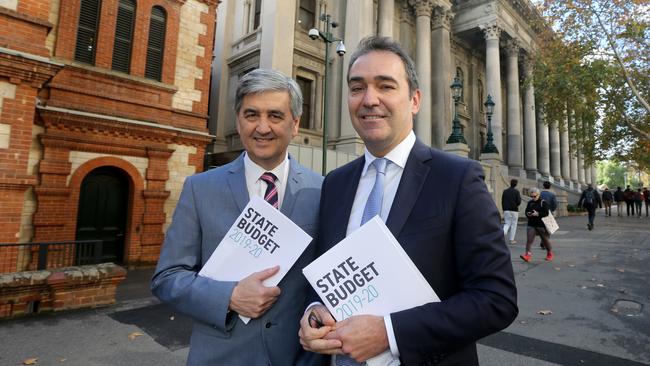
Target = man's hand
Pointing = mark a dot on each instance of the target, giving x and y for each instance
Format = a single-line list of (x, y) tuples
[(313, 339), (251, 298), (363, 336)]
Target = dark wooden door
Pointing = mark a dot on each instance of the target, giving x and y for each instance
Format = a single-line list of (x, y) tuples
[(102, 213)]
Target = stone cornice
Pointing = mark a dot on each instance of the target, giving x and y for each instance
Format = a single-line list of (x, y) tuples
[(28, 70)]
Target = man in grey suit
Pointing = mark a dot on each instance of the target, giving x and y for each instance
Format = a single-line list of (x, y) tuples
[(268, 106)]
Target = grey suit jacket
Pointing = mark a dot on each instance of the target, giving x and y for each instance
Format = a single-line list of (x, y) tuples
[(209, 204)]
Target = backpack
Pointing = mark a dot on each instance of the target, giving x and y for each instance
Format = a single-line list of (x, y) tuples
[(589, 197)]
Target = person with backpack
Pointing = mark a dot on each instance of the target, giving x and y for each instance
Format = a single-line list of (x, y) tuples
[(619, 197), (590, 199), (638, 201), (607, 201), (629, 200), (549, 196)]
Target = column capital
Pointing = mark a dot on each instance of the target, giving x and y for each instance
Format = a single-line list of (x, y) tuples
[(423, 8), (512, 47), (491, 31), (529, 65), (442, 17)]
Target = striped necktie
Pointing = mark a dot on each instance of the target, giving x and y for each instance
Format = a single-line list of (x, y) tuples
[(271, 194)]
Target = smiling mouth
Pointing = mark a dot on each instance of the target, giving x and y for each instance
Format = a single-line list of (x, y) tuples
[(371, 117)]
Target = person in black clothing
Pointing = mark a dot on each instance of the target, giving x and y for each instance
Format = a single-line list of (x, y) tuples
[(535, 210), (629, 200), (607, 201), (619, 197), (590, 199), (638, 202), (510, 201)]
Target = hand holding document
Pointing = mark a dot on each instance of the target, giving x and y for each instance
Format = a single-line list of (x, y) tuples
[(369, 273), (260, 238)]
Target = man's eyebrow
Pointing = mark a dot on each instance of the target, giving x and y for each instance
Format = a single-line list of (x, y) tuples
[(250, 110), (377, 78), (276, 111)]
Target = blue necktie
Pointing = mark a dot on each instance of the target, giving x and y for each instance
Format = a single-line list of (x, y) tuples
[(372, 209)]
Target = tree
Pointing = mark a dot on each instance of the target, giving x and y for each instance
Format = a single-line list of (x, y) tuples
[(611, 173), (594, 60)]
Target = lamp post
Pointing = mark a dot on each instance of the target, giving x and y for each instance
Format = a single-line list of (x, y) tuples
[(489, 110), (457, 130), (328, 38)]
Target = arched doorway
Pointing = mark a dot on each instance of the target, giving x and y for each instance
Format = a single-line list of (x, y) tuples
[(102, 213)]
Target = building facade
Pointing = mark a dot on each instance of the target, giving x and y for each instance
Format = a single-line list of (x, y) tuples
[(103, 113), (489, 45)]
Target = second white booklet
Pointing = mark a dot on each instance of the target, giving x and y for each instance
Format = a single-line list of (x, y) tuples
[(260, 238)]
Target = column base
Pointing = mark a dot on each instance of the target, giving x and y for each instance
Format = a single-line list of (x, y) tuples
[(457, 148), (533, 175), (351, 145)]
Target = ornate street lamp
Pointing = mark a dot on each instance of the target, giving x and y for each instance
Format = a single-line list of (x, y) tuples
[(328, 38), (457, 130), (489, 110)]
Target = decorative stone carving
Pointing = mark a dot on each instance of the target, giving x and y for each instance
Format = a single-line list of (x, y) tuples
[(491, 31), (512, 47), (423, 8), (442, 18)]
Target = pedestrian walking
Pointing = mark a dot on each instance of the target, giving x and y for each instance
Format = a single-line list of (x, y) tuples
[(548, 196), (629, 200), (590, 200), (510, 201), (646, 199), (619, 197), (638, 201), (535, 210), (607, 201)]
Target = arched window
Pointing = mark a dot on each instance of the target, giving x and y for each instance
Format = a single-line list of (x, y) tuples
[(156, 44), (124, 36), (87, 31)]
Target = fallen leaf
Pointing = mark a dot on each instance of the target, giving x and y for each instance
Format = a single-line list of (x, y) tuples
[(620, 270), (171, 317), (63, 359), (134, 335), (556, 268), (600, 285), (545, 312), (583, 287), (614, 310), (522, 322), (31, 361), (572, 265)]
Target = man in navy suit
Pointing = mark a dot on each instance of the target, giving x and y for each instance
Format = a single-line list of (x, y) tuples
[(268, 106), (438, 208)]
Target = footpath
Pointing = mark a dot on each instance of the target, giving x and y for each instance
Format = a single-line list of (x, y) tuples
[(587, 307)]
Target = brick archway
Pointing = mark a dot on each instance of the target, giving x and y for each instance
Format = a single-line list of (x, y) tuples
[(135, 210)]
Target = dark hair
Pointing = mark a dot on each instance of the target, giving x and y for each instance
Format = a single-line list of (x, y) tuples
[(547, 185), (385, 44), (513, 183), (265, 80)]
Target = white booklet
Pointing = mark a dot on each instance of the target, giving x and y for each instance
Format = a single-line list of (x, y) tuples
[(260, 238), (368, 272)]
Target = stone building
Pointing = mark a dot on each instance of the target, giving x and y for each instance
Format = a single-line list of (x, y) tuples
[(487, 44), (103, 113)]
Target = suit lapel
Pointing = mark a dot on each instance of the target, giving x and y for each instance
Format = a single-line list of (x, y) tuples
[(237, 183), (408, 191), (294, 184), (344, 194)]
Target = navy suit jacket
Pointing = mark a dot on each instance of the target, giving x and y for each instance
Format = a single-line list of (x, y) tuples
[(448, 224)]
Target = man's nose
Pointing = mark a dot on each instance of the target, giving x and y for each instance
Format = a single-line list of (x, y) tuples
[(370, 98), (263, 125)]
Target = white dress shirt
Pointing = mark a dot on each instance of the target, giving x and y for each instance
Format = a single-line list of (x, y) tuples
[(394, 169), (257, 187)]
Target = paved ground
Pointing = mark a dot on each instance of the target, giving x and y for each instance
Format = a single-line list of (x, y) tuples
[(596, 291)]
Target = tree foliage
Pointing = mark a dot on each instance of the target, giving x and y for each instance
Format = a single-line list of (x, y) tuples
[(594, 61)]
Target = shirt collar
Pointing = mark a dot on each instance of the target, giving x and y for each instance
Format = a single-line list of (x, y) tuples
[(398, 156), (254, 172)]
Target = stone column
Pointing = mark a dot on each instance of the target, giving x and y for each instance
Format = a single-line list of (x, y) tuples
[(564, 149), (554, 147), (594, 174), (358, 24), (530, 138), (442, 75), (277, 34), (542, 141), (573, 173), (386, 17), (493, 82), (514, 124), (423, 119), (581, 169)]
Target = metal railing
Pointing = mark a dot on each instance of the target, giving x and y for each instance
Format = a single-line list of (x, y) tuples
[(18, 257)]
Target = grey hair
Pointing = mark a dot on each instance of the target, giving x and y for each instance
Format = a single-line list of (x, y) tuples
[(533, 190), (385, 44), (265, 80)]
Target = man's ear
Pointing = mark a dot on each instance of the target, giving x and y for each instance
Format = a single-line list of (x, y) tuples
[(415, 99)]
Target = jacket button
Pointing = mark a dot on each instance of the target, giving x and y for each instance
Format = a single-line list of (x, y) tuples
[(268, 325)]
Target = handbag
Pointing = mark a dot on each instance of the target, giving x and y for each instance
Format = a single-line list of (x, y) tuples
[(550, 223)]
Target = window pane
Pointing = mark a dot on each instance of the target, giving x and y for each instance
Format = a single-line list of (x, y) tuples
[(306, 14), (258, 12), (87, 31), (123, 36), (305, 88)]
